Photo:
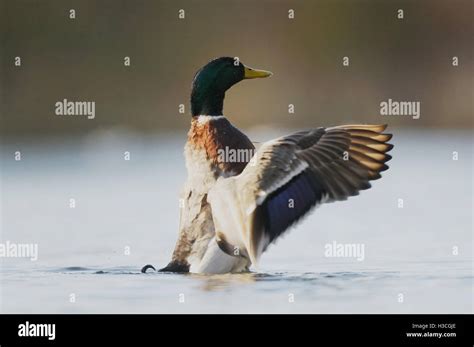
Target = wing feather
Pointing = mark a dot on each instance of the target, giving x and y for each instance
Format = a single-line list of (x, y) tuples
[(293, 174)]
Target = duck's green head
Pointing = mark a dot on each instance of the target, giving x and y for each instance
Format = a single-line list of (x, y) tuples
[(212, 81)]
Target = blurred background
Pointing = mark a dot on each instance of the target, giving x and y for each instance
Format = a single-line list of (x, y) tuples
[(83, 59), (126, 211)]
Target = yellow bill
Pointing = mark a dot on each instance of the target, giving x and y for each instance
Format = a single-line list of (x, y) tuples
[(254, 73)]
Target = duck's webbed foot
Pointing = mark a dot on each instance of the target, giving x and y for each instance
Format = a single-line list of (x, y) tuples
[(175, 267), (146, 267)]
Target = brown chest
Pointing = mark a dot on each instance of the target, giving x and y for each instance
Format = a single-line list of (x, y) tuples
[(225, 148)]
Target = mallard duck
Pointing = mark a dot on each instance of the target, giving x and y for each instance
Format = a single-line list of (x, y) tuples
[(234, 209)]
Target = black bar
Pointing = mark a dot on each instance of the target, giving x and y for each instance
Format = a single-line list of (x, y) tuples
[(323, 330)]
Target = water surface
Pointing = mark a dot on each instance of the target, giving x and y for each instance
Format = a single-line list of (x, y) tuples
[(126, 215)]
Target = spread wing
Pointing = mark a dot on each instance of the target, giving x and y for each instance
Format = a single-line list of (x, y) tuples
[(292, 174)]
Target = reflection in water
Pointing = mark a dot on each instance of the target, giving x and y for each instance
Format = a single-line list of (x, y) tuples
[(323, 279), (224, 281)]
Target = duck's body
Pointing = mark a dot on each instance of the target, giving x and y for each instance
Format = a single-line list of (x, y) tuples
[(232, 209), (207, 137)]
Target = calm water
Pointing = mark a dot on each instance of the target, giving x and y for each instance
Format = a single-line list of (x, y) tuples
[(126, 215)]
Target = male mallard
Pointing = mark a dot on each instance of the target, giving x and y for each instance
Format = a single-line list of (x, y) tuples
[(234, 209)]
